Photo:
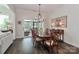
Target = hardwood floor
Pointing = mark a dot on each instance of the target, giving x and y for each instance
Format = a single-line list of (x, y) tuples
[(25, 46)]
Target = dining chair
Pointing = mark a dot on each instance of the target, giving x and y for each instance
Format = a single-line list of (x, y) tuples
[(52, 43), (36, 40)]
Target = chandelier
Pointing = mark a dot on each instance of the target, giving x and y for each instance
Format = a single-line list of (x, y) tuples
[(39, 13)]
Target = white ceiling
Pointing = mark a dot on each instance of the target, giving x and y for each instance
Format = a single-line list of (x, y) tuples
[(46, 9)]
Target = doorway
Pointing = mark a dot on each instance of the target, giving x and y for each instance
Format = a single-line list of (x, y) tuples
[(27, 25)]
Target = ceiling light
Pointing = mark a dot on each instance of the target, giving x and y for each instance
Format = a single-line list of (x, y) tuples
[(39, 13)]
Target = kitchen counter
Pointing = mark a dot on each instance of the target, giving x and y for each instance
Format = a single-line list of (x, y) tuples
[(3, 34), (6, 39)]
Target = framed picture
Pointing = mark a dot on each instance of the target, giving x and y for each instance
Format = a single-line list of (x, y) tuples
[(59, 22)]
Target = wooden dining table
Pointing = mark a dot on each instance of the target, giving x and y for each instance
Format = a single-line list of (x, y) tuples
[(44, 38)]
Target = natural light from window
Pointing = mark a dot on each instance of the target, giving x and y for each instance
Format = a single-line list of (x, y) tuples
[(4, 22)]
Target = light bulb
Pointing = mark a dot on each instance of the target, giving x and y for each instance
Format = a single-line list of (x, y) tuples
[(60, 23)]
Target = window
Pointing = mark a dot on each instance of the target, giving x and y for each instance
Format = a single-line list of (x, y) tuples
[(4, 22)]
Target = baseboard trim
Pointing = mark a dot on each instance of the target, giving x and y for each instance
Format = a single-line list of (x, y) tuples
[(72, 44)]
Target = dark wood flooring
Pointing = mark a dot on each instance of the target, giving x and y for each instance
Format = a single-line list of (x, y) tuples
[(25, 46)]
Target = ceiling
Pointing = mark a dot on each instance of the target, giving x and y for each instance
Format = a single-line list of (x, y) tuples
[(46, 9)]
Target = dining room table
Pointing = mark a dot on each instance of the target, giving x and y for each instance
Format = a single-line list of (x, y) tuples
[(46, 38)]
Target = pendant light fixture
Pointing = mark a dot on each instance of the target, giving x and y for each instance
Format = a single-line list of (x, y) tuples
[(39, 12)]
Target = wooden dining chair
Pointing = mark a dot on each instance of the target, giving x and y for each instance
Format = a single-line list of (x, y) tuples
[(52, 43), (33, 35), (36, 40)]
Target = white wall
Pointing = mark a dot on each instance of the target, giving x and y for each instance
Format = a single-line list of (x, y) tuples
[(13, 19), (71, 34), (20, 15)]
